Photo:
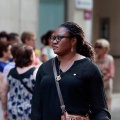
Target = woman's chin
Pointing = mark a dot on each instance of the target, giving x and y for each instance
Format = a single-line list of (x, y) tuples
[(56, 52)]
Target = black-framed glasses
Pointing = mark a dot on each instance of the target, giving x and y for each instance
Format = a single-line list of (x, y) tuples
[(58, 38)]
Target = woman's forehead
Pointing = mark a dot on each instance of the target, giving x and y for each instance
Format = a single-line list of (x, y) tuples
[(61, 31)]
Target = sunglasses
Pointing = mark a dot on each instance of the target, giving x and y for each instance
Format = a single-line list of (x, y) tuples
[(98, 47), (58, 38)]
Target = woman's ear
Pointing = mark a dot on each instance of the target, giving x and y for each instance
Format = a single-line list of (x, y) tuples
[(74, 41), (32, 56)]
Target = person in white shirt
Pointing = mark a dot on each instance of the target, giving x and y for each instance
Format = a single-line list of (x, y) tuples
[(47, 51)]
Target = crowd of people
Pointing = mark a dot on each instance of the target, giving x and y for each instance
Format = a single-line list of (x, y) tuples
[(27, 83)]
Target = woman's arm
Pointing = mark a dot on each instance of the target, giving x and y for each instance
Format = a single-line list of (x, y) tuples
[(0, 79), (112, 68), (98, 104), (36, 113), (4, 95)]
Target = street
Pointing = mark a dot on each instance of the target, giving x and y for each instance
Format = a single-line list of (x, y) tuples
[(115, 108)]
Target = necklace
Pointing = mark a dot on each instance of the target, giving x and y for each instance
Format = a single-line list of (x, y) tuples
[(59, 76)]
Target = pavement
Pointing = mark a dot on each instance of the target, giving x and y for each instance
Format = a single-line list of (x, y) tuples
[(115, 112)]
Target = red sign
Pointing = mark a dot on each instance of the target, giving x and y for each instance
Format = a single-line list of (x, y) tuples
[(87, 15)]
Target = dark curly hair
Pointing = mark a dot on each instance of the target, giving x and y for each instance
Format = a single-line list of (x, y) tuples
[(83, 47), (46, 37), (23, 56)]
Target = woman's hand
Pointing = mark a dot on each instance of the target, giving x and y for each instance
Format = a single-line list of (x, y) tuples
[(106, 75)]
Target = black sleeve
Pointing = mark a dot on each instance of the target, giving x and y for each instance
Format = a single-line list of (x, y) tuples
[(36, 113), (98, 104)]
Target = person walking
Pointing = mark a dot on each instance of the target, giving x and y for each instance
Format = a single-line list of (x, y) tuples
[(19, 83), (47, 51), (29, 38), (106, 64), (5, 55), (77, 88), (11, 65), (13, 38)]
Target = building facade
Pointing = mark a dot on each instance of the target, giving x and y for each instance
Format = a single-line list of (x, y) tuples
[(98, 18), (19, 15), (106, 24)]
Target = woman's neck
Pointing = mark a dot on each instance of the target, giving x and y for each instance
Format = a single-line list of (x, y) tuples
[(101, 56), (3, 59), (67, 57), (24, 69)]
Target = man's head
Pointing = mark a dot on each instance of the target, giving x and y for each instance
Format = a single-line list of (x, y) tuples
[(14, 49), (28, 38), (13, 38), (5, 52), (3, 36)]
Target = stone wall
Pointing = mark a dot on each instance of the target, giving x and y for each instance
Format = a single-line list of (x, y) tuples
[(19, 15), (77, 15)]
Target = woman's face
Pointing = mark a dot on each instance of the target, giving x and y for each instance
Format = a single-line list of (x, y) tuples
[(62, 41), (7, 54), (31, 42), (99, 49)]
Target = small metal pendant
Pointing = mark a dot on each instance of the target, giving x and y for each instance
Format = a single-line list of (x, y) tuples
[(58, 78)]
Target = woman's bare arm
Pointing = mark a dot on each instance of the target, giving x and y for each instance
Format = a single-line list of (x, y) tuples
[(4, 93)]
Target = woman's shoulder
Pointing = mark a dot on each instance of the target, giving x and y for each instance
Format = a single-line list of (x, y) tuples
[(15, 72), (46, 65), (2, 65), (46, 48), (90, 65), (109, 57), (91, 69)]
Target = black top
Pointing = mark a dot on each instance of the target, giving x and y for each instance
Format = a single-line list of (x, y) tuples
[(81, 87)]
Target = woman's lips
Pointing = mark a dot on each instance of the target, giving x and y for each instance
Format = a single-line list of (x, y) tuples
[(54, 47)]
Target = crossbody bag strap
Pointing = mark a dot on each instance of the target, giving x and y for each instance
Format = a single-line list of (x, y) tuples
[(27, 88), (58, 87)]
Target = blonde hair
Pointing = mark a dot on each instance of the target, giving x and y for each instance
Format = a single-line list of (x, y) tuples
[(104, 43)]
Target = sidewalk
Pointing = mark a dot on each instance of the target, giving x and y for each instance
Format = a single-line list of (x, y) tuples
[(115, 114), (115, 108)]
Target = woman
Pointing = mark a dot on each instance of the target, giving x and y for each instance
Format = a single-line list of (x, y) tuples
[(5, 55), (19, 83), (29, 38), (47, 51), (79, 79), (106, 64)]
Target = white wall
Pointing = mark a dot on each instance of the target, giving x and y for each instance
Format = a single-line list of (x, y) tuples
[(19, 15), (77, 15)]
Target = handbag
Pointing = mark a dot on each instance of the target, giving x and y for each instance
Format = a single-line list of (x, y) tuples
[(65, 115)]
